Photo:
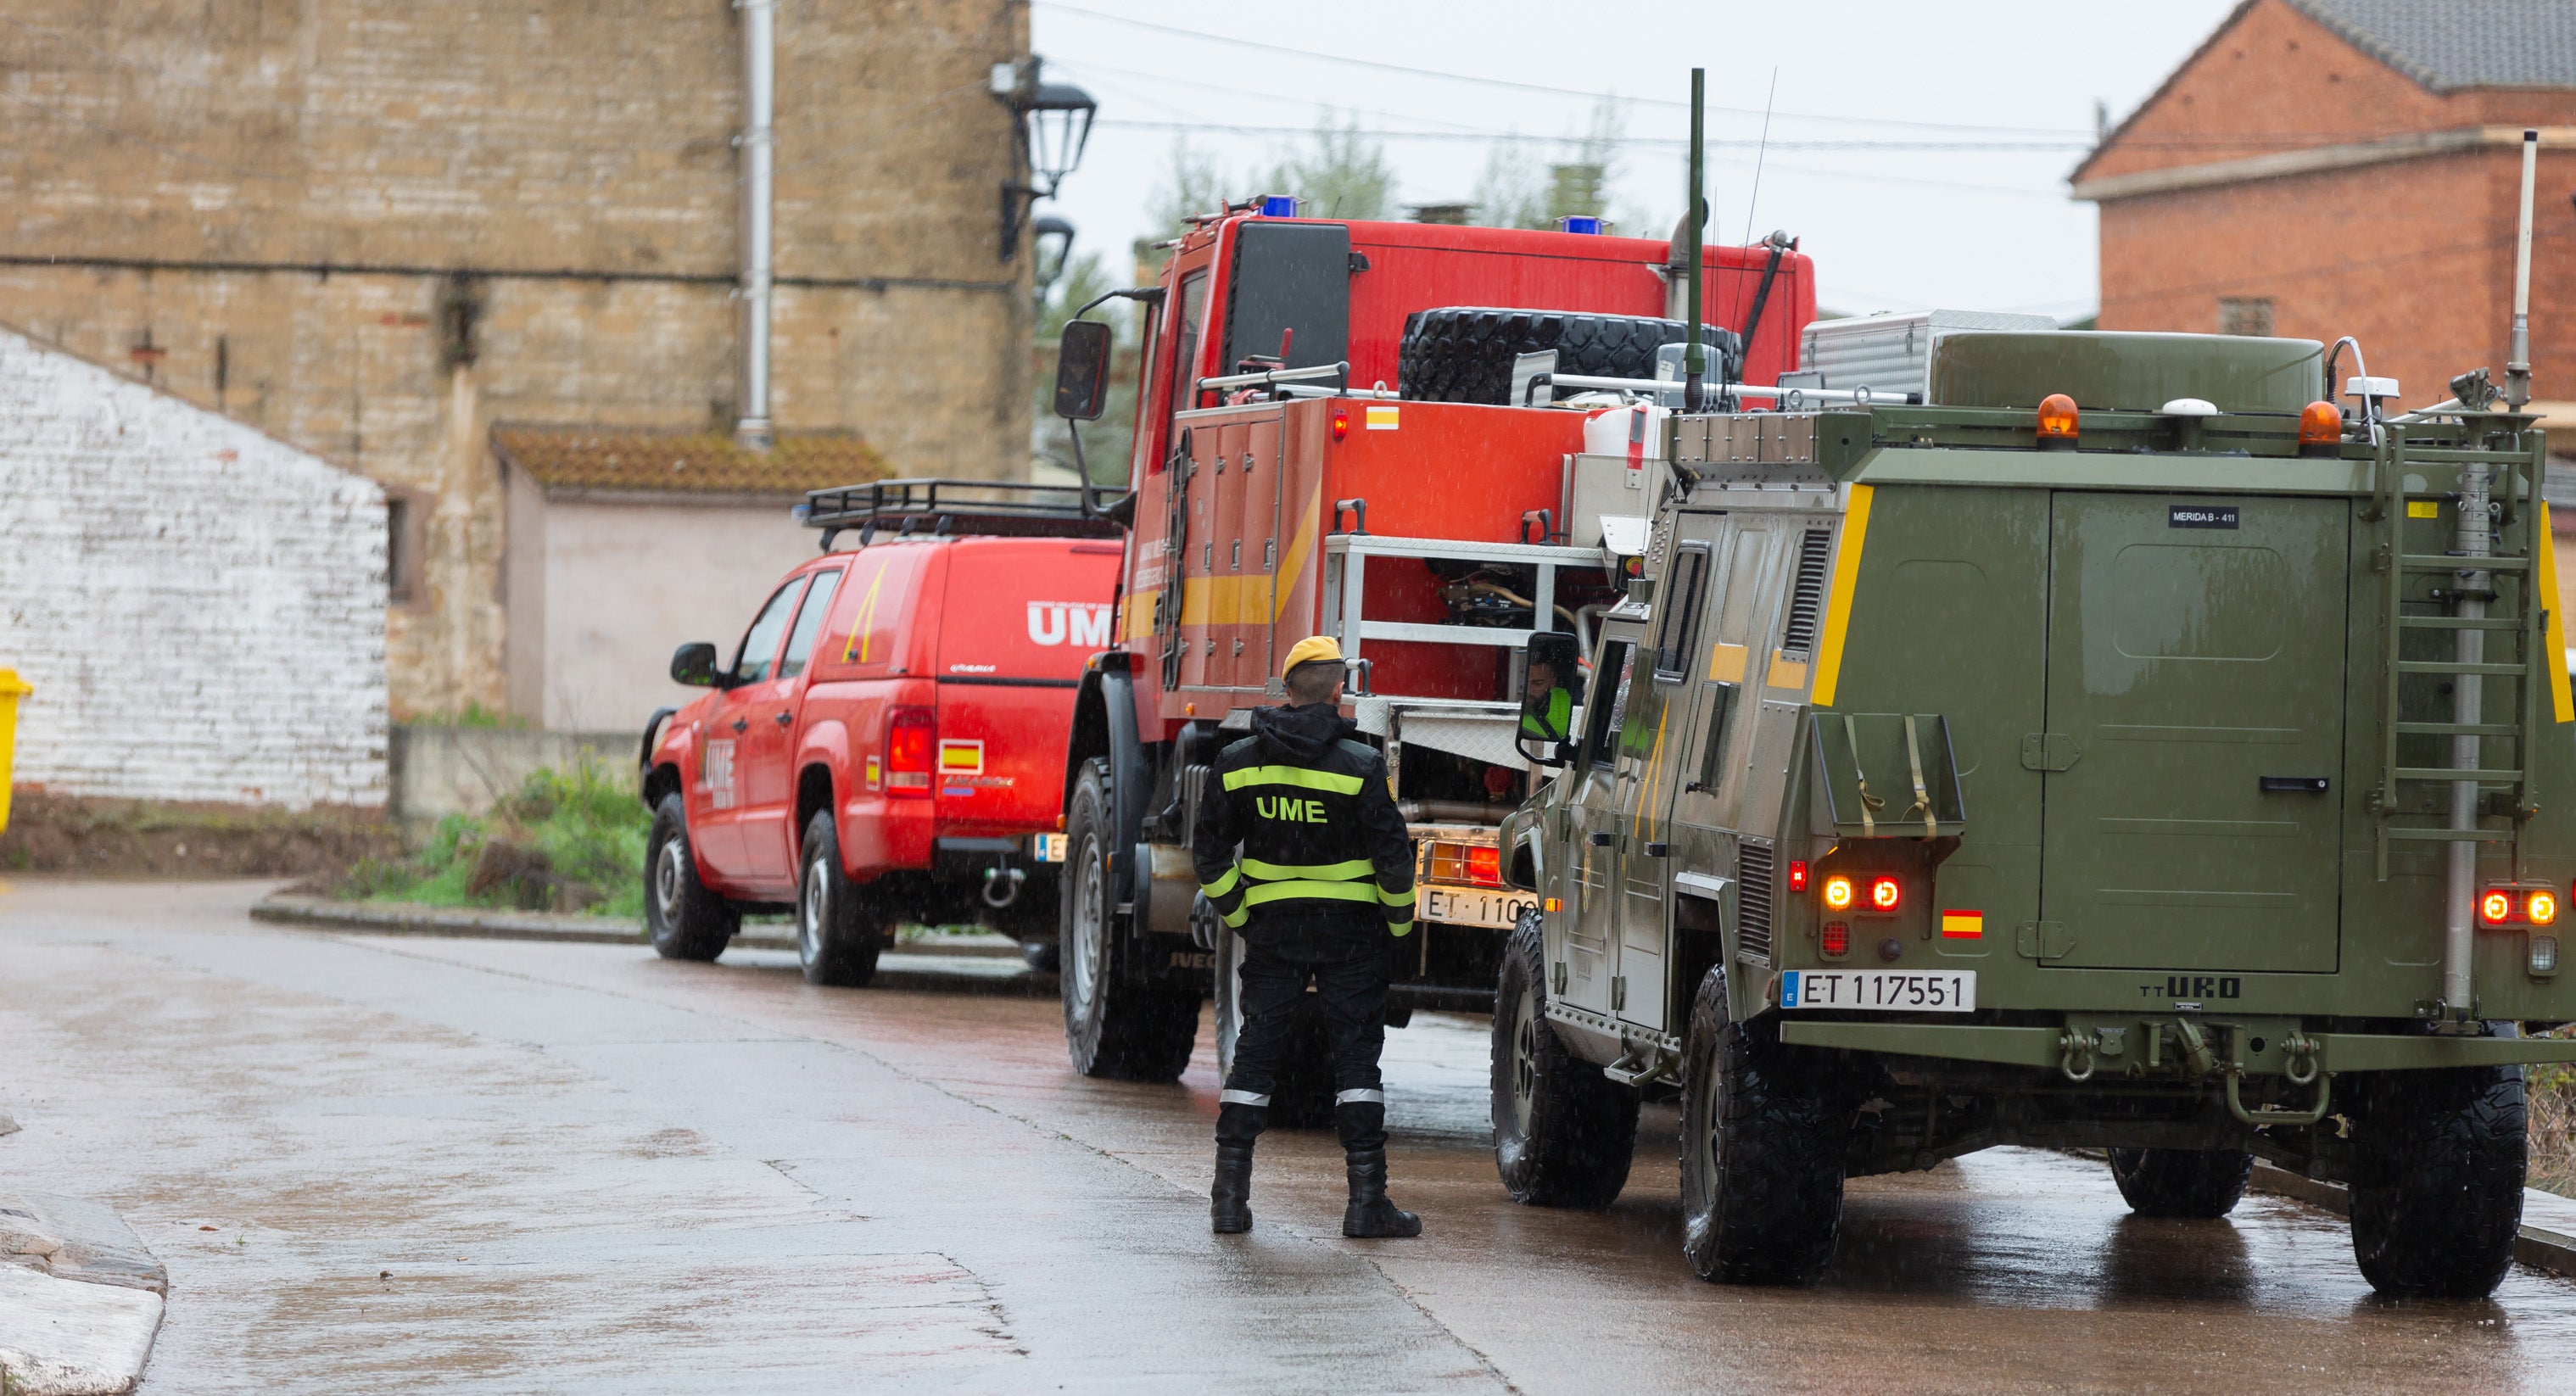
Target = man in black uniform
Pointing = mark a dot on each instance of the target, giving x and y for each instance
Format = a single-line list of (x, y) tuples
[(1326, 875)]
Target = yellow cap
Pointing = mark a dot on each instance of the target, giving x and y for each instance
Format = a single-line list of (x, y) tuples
[(1313, 649)]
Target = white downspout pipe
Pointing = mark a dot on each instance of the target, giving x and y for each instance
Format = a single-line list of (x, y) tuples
[(759, 55)]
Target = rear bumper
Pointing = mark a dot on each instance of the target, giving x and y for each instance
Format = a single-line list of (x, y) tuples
[(2048, 1047)]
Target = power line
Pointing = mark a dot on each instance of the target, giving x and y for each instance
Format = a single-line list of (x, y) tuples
[(1507, 83), (1514, 137)]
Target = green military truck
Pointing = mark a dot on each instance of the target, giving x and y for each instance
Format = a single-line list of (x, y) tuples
[(2120, 748)]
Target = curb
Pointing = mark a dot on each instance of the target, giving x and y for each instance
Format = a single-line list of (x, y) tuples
[(81, 1299), (972, 968), (2548, 1244)]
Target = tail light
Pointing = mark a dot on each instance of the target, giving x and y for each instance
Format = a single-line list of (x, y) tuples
[(2542, 908), (1835, 940), (1485, 866), (1341, 424), (2496, 907), (1797, 874), (1884, 894), (912, 735), (1838, 892)]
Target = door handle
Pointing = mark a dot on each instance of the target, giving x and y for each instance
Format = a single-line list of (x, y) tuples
[(1659, 850), (2296, 785), (784, 718), (1602, 838), (740, 723)]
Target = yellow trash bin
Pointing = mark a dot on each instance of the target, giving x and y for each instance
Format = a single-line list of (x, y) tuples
[(11, 690)]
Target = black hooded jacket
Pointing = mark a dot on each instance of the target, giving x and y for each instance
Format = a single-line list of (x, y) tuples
[(1324, 852)]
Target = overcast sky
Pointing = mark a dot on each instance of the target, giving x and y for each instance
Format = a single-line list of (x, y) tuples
[(1892, 143)]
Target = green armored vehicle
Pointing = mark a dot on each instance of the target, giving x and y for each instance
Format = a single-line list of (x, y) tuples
[(2121, 748)]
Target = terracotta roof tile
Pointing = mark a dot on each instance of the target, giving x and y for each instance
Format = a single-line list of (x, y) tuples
[(684, 462)]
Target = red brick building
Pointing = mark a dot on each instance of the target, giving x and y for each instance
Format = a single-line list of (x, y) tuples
[(2328, 167)]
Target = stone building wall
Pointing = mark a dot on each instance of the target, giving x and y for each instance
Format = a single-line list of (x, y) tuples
[(199, 606), (375, 227)]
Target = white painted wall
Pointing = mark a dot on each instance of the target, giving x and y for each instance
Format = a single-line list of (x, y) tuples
[(620, 584), (200, 607)]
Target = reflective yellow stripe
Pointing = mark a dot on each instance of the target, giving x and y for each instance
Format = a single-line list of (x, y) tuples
[(1829, 649), (2553, 634), (1320, 891), (1293, 775), (1238, 916), (1400, 929), (1329, 872), (1223, 884), (1403, 898)]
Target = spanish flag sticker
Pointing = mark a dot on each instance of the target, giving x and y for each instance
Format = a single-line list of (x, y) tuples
[(960, 758), (1963, 925), (1383, 418)]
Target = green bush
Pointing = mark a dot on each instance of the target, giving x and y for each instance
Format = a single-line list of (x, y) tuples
[(586, 821)]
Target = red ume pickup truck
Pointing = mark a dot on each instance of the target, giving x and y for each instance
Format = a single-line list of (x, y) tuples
[(887, 743)]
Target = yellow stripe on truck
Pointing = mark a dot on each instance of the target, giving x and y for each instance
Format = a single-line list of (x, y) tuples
[(2553, 637), (1829, 649)]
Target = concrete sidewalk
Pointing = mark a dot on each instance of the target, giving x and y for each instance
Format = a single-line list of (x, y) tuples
[(80, 1297), (950, 964)]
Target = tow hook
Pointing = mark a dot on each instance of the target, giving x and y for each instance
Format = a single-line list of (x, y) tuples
[(2300, 1067), (1005, 881), (2075, 1048)]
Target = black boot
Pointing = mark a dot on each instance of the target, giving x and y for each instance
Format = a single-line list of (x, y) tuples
[(1370, 1214), (1230, 1201)]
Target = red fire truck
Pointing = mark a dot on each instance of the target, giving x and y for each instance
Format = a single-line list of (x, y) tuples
[(1331, 438)]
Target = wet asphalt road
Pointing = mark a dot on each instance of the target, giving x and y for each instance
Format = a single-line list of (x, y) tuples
[(379, 1164)]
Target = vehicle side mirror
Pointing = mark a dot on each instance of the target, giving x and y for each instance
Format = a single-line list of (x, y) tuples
[(1550, 688), (1082, 371), (694, 664)]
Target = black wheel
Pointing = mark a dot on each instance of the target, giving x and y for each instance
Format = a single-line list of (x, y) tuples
[(2181, 1182), (687, 921), (1302, 1096), (1465, 353), (838, 931), (1563, 1133), (1764, 1130), (2437, 1195), (1118, 1022)]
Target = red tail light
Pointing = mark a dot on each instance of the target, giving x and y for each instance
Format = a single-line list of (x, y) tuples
[(1485, 866), (1341, 425), (912, 734), (1835, 940), (2496, 907), (1884, 894), (1797, 874)]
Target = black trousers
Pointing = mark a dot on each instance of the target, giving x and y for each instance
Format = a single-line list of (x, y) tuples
[(1350, 987)]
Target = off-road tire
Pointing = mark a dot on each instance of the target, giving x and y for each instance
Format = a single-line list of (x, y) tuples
[(1764, 1131), (1465, 353), (686, 920), (2181, 1182), (2439, 1160), (1119, 1021), (1564, 1134), (1301, 1097), (839, 931)]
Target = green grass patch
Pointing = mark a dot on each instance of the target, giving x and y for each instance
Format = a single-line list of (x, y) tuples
[(585, 824)]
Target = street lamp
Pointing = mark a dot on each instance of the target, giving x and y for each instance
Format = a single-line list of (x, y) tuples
[(1052, 239), (1051, 123)]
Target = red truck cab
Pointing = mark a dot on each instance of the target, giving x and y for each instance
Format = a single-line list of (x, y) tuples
[(887, 743)]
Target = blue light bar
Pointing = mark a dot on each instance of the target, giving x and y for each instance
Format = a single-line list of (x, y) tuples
[(1585, 223), (1278, 205)]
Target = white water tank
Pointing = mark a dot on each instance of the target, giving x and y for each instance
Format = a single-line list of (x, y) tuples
[(1609, 432)]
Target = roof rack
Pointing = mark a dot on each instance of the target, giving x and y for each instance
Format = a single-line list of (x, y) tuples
[(937, 508)]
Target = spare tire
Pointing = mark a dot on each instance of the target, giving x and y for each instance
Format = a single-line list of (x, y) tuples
[(1465, 353)]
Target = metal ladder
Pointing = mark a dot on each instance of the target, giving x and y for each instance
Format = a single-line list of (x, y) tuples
[(2513, 575)]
